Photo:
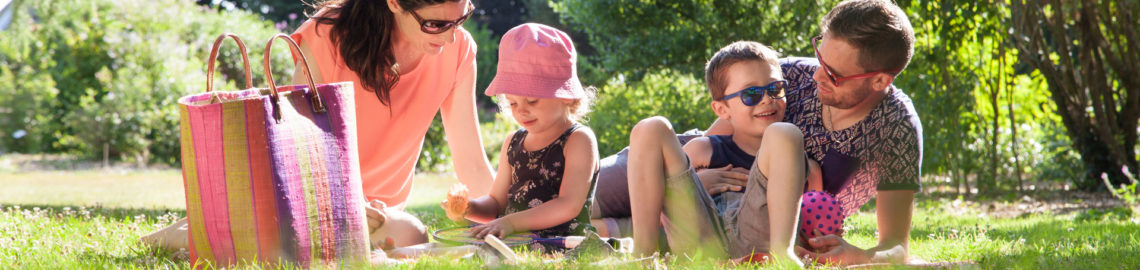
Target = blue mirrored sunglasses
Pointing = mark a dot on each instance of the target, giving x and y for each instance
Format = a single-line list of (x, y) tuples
[(753, 95)]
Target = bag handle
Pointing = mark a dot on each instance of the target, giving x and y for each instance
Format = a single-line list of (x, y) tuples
[(318, 105), (214, 57)]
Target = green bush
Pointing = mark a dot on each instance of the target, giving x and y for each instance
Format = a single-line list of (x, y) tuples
[(620, 105), (486, 61), (81, 76)]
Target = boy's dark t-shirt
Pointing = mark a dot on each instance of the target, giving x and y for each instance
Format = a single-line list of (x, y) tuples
[(881, 152), (725, 152)]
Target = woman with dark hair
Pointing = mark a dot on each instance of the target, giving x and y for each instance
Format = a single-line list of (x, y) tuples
[(408, 60)]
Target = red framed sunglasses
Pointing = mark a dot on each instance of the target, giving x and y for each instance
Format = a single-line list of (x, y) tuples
[(440, 26), (836, 79)]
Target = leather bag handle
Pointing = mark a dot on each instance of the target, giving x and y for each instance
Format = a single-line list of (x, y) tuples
[(317, 103), (214, 56)]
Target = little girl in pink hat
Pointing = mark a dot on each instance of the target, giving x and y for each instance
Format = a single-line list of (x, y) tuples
[(547, 168)]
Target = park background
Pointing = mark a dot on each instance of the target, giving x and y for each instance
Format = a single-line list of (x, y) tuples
[(1030, 113)]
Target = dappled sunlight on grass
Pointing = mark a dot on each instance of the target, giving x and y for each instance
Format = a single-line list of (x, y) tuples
[(80, 237), (93, 218), (949, 231)]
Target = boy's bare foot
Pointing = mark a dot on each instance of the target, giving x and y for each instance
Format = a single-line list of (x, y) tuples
[(174, 237)]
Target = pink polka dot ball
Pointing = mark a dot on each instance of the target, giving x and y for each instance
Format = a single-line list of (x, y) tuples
[(820, 211)]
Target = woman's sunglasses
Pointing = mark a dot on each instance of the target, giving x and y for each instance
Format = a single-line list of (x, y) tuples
[(440, 26), (753, 95)]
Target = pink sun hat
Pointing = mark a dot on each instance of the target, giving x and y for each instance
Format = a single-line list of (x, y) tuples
[(538, 61)]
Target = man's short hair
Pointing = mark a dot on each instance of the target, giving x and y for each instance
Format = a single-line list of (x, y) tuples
[(734, 53), (878, 28)]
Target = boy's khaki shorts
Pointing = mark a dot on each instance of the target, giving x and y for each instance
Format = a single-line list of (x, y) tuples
[(741, 229), (691, 222), (746, 217)]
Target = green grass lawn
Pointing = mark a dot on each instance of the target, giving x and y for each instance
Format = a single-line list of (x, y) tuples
[(92, 218)]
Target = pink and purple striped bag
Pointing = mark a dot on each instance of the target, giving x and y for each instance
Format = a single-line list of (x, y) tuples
[(273, 175)]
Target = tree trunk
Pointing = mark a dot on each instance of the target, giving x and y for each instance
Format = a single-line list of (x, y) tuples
[(994, 89), (1093, 70), (1012, 128)]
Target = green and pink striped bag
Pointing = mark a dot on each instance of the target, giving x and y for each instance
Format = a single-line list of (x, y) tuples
[(272, 174)]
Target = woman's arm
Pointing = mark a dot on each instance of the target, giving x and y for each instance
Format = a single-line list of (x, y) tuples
[(461, 124), (581, 154), (487, 207)]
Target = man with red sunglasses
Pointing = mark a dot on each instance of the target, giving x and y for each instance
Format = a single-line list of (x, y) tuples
[(863, 131)]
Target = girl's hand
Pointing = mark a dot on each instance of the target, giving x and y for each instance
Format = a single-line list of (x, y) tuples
[(499, 227), (456, 203)]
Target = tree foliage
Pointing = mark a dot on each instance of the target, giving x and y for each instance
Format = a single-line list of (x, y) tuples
[(986, 117), (636, 37), (94, 76), (1005, 90), (285, 15)]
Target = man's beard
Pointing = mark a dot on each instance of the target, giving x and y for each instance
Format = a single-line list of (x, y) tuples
[(850, 100)]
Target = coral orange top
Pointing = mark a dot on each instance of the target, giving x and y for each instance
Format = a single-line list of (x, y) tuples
[(390, 139)]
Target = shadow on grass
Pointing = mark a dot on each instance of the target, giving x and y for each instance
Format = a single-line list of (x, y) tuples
[(432, 216), (98, 211), (146, 257), (65, 162)]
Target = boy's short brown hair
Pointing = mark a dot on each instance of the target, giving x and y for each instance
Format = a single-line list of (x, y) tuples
[(878, 28), (734, 53)]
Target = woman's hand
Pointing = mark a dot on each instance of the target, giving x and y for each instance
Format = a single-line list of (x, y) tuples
[(727, 178), (500, 227), (374, 210), (456, 204)]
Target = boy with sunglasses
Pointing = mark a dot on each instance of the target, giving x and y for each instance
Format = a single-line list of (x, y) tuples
[(747, 87)]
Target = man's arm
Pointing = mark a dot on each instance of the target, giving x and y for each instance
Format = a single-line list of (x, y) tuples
[(893, 210)]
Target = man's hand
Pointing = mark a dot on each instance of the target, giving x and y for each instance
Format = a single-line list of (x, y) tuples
[(719, 180), (500, 227)]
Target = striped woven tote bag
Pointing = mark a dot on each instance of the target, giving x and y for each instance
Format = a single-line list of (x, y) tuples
[(272, 174)]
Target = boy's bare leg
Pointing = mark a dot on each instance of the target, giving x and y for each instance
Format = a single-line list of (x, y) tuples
[(781, 160), (654, 153)]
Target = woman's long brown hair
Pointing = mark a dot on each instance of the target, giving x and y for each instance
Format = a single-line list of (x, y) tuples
[(362, 31)]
